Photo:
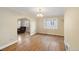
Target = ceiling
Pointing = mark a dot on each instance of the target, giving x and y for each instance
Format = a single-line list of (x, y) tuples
[(47, 11)]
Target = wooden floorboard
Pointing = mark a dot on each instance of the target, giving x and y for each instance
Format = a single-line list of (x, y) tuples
[(37, 42)]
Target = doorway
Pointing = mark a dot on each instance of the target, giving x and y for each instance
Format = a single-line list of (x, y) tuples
[(23, 26)]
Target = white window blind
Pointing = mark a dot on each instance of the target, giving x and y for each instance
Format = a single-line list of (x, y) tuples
[(50, 23)]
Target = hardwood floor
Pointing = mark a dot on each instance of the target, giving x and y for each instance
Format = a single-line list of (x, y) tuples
[(38, 42)]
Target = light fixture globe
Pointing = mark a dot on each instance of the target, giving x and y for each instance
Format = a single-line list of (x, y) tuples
[(40, 15)]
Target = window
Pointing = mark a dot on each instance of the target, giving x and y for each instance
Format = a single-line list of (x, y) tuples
[(50, 23), (19, 24)]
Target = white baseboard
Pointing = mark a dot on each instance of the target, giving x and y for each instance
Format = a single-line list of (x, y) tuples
[(67, 46), (33, 34), (6, 45)]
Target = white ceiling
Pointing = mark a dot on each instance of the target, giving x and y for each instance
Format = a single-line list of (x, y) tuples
[(47, 11)]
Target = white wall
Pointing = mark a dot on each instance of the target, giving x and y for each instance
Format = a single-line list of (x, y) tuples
[(71, 29), (58, 31), (8, 26), (32, 26)]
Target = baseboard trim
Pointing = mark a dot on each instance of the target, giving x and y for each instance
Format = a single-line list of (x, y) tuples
[(6, 45), (49, 34), (67, 46)]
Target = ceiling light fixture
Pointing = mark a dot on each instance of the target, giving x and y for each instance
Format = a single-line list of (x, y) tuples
[(39, 13)]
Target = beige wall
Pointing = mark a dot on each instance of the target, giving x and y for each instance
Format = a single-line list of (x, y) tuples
[(59, 31), (72, 28), (8, 26), (32, 26)]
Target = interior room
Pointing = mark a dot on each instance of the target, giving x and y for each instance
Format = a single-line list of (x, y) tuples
[(39, 29), (32, 29)]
